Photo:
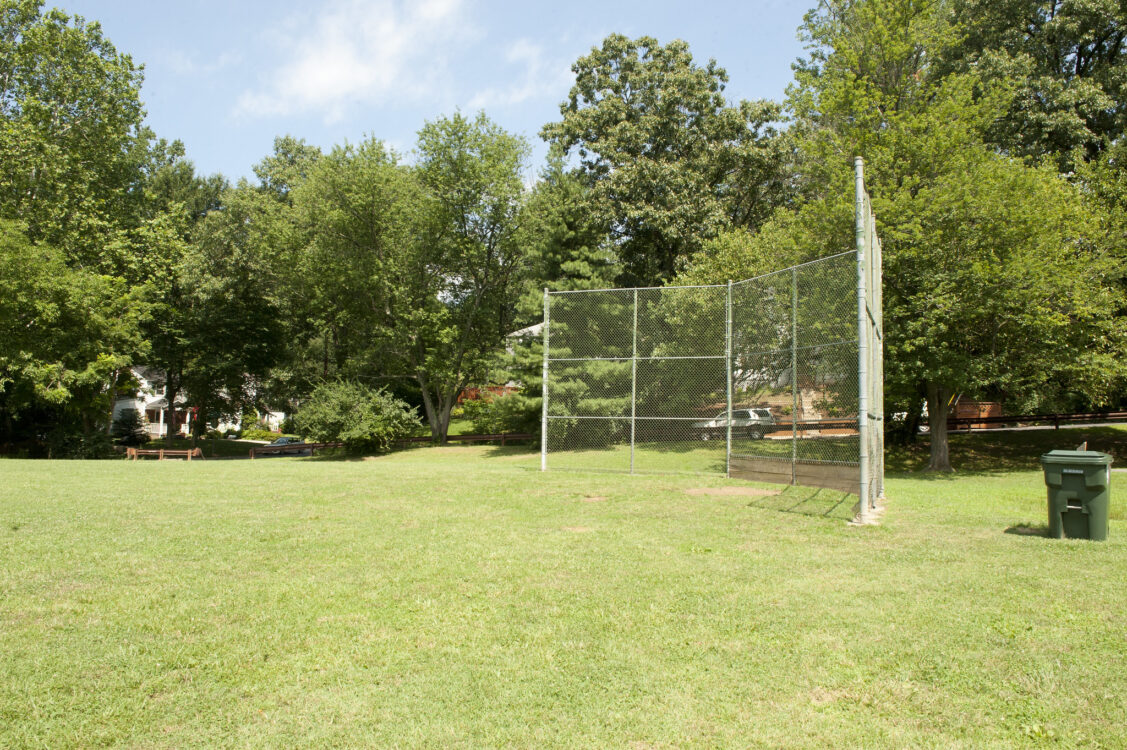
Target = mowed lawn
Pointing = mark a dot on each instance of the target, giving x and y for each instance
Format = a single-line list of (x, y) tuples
[(457, 597)]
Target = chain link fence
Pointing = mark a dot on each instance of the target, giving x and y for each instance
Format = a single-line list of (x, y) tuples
[(776, 378)]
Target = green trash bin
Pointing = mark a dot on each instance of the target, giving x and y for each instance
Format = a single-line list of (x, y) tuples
[(1079, 484)]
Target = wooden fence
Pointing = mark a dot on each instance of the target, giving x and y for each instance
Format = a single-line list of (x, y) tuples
[(1056, 420), (260, 450), (499, 437), (162, 453)]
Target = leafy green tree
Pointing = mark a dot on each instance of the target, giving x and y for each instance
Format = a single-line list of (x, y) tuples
[(64, 333), (233, 326), (670, 163), (471, 261), (566, 244), (414, 272), (359, 213), (361, 417), (129, 428), (995, 276), (281, 240), (1068, 62), (72, 147), (289, 166)]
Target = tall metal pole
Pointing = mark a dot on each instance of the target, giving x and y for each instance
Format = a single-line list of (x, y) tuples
[(878, 355), (634, 381), (544, 400), (862, 342), (728, 360), (794, 375)]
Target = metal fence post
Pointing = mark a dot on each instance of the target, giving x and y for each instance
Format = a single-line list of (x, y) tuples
[(794, 375), (877, 263), (634, 381), (728, 360), (544, 399), (862, 343)]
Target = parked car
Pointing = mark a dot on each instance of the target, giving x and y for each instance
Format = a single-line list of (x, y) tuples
[(748, 423), (299, 446)]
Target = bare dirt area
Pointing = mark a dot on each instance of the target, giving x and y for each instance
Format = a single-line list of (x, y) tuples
[(731, 491)]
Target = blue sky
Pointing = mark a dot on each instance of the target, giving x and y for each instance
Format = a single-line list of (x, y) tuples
[(226, 77)]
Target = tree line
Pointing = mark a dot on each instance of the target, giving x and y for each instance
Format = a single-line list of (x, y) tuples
[(992, 132)]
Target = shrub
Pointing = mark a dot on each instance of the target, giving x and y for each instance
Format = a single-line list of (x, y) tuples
[(512, 412), (257, 433), (129, 428), (361, 417)]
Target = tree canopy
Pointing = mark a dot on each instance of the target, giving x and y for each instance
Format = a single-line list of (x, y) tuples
[(993, 136), (669, 161)]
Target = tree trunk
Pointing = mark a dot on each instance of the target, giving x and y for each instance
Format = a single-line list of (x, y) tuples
[(915, 415), (444, 419), (171, 391), (436, 432), (114, 379), (438, 408), (938, 407)]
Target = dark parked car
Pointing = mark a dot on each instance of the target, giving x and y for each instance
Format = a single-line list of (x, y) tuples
[(299, 447)]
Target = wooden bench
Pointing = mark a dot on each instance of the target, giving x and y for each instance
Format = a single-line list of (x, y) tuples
[(162, 453)]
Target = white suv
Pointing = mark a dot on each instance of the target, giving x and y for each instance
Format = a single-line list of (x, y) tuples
[(749, 423)]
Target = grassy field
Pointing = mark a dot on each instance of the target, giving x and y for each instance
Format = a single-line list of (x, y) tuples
[(458, 597)]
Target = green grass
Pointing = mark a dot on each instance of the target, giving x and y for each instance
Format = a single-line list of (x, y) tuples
[(456, 597)]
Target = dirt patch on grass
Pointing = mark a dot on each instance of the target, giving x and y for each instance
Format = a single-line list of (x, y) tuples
[(731, 491), (592, 499)]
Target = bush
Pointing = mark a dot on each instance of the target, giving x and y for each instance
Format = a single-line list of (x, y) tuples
[(129, 428), (257, 433), (361, 417), (512, 412), (63, 443)]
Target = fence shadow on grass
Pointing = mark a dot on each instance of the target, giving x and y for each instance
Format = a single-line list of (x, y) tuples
[(809, 501)]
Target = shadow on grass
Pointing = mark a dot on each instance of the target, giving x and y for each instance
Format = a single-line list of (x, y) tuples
[(1026, 529), (809, 501), (999, 452)]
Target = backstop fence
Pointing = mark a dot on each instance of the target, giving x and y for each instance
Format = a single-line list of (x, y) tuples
[(778, 378)]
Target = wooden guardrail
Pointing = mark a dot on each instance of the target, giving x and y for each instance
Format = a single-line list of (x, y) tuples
[(259, 450), (1056, 420), (501, 437), (162, 453)]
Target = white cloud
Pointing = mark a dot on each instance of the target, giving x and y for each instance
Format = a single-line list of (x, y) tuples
[(186, 65), (540, 78), (359, 51)]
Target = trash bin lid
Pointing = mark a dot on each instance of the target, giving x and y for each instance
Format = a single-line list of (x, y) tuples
[(1076, 457)]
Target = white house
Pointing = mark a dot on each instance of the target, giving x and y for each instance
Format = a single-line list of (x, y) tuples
[(150, 402)]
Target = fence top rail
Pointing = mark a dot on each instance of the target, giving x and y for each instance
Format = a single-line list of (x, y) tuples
[(638, 288), (702, 286)]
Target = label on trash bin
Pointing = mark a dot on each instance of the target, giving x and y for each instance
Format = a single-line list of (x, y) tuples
[(1071, 471)]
